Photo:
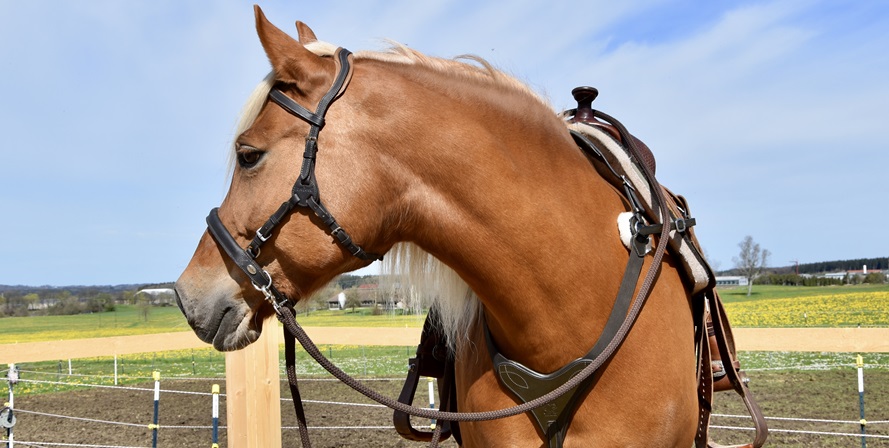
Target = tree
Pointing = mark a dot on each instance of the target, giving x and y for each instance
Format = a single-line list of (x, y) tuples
[(31, 300), (751, 260), (143, 304), (129, 296), (352, 299), (875, 278)]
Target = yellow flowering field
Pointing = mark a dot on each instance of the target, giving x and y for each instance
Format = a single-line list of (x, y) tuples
[(865, 308)]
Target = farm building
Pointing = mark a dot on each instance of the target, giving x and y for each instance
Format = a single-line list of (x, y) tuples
[(864, 271), (731, 280), (159, 296)]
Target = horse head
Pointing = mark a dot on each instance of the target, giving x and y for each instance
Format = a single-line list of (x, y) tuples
[(218, 299)]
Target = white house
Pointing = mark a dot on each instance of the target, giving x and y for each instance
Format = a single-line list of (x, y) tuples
[(731, 280)]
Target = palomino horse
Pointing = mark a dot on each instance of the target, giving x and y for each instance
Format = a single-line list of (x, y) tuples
[(458, 170)]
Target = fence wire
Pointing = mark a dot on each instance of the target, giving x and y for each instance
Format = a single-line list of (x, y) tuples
[(22, 413)]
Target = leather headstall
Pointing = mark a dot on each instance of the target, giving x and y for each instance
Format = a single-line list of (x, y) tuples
[(305, 192)]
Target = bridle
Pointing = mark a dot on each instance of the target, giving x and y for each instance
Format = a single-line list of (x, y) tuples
[(305, 194)]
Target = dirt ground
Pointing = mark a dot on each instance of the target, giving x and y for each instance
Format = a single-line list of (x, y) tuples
[(178, 409), (810, 394)]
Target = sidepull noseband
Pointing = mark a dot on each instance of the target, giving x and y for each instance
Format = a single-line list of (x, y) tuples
[(305, 192)]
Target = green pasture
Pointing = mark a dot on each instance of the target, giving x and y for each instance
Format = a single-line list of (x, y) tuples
[(771, 292), (124, 321), (130, 320), (360, 317), (55, 376), (768, 306), (359, 361)]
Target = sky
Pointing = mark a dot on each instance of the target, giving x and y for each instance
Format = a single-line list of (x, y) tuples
[(116, 116)]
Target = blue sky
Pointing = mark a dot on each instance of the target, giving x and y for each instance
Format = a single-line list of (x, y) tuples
[(769, 116)]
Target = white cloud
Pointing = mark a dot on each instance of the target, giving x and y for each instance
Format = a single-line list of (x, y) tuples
[(765, 115)]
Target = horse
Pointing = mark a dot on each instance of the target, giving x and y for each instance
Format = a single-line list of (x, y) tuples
[(471, 185)]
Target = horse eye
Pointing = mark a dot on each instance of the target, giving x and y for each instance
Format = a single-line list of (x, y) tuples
[(248, 156)]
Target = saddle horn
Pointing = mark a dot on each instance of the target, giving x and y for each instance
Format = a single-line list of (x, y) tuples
[(585, 95)]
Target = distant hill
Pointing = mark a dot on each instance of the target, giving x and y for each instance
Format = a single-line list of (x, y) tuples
[(347, 281), (881, 263)]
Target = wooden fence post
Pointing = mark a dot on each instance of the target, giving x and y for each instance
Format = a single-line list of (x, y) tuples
[(253, 392)]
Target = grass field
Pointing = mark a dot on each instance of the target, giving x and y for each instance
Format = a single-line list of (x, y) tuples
[(125, 321), (128, 320), (361, 361), (768, 306)]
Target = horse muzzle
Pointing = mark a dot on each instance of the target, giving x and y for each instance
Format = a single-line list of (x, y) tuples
[(217, 316)]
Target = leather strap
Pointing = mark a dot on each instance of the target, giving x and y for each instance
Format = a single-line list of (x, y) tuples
[(527, 384), (295, 108), (705, 382), (725, 342), (433, 360), (290, 367), (305, 191), (260, 278)]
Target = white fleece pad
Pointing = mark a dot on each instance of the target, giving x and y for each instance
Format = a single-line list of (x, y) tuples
[(689, 257)]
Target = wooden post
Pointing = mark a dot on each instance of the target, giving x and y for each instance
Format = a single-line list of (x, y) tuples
[(253, 392)]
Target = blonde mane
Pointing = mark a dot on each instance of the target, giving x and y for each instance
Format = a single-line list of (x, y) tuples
[(418, 277)]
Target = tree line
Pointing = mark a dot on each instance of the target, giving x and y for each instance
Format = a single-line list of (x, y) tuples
[(839, 265), (20, 301), (809, 280), (752, 263), (822, 267)]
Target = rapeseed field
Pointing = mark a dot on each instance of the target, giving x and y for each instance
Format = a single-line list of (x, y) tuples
[(839, 309)]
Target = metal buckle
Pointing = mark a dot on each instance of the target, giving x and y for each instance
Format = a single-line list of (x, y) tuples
[(265, 290), (680, 225), (641, 243), (269, 295), (262, 237), (638, 222)]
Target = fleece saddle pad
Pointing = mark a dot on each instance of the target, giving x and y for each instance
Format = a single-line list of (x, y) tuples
[(683, 244)]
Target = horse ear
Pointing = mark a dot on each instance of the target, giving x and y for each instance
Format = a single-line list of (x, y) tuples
[(291, 61), (306, 34)]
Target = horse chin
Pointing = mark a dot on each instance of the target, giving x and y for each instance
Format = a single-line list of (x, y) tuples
[(237, 329), (226, 321)]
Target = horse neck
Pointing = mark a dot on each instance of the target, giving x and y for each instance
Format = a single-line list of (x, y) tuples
[(503, 196)]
